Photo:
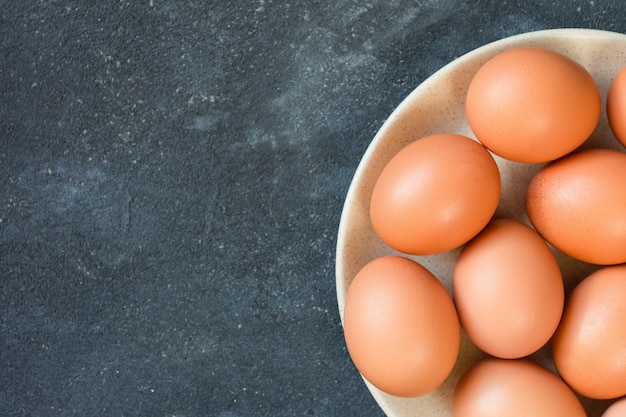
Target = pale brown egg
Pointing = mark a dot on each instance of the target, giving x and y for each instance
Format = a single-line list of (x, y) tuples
[(508, 290), (578, 204), (617, 409), (532, 105), (589, 347), (401, 327), (435, 194), (616, 106), (513, 388)]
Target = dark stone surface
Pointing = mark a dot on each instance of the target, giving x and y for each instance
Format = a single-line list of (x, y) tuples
[(172, 176)]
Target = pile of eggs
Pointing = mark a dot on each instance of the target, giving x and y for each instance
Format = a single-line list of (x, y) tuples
[(402, 328)]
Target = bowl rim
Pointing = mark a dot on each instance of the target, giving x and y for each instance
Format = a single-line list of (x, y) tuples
[(341, 281)]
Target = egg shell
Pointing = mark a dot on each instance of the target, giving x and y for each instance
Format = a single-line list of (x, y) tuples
[(532, 104), (616, 106), (589, 347), (426, 199), (508, 290), (401, 327), (513, 388), (578, 204)]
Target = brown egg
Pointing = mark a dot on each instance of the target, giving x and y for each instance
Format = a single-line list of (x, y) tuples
[(508, 290), (400, 326), (513, 388), (435, 194), (578, 204), (616, 106), (532, 105), (589, 347), (617, 409)]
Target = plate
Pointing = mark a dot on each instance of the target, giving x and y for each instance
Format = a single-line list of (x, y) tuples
[(438, 106)]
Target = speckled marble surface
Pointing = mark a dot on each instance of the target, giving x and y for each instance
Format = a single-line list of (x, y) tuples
[(172, 176)]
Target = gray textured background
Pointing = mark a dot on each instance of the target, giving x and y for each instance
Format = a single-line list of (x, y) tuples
[(171, 179)]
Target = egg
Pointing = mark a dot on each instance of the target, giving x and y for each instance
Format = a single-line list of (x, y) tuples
[(578, 204), (426, 201), (508, 290), (513, 388), (532, 105), (589, 347), (616, 106), (401, 327), (617, 409)]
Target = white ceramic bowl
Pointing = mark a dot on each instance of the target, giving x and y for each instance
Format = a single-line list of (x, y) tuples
[(438, 106)]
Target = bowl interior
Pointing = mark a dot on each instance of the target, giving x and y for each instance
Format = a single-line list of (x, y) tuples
[(438, 106)]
